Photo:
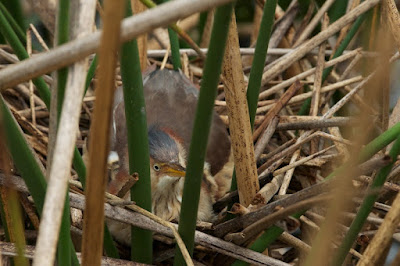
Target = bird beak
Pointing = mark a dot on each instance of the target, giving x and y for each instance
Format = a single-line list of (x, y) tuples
[(175, 170)]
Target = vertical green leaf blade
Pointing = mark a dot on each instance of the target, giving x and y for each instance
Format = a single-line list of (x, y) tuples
[(201, 129), (142, 242)]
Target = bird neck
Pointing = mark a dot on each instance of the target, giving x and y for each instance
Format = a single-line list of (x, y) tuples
[(167, 198)]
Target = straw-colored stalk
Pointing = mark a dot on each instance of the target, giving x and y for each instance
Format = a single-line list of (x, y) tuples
[(384, 235), (92, 244), (239, 122), (63, 150), (138, 7)]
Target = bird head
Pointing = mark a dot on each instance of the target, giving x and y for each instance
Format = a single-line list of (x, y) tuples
[(167, 158)]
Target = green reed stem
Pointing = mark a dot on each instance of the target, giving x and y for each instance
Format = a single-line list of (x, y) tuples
[(201, 129), (142, 241)]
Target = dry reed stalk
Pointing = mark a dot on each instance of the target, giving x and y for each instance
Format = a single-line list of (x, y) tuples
[(305, 21), (276, 108), (301, 97), (314, 22), (320, 247), (31, 93), (300, 162), (315, 101), (138, 7), (39, 37), (259, 226), (239, 123), (205, 37), (76, 50), (268, 191), (284, 62), (307, 73), (288, 175), (252, 217), (294, 242), (316, 124), (393, 19), (265, 137), (64, 145), (247, 51), (93, 224)]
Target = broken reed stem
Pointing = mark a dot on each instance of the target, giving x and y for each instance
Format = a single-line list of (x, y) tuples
[(265, 137), (288, 175), (239, 123), (276, 108)]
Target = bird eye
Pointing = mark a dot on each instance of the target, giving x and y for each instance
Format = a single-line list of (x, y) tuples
[(156, 167)]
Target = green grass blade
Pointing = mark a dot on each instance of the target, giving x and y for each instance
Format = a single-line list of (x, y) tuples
[(201, 129), (260, 54), (142, 242), (337, 10), (19, 49), (15, 9), (90, 74), (23, 158), (176, 57), (16, 27), (63, 247), (174, 41), (63, 36)]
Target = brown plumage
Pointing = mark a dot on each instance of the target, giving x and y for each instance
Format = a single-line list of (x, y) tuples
[(171, 101)]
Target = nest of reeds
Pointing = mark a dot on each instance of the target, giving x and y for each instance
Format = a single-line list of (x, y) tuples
[(315, 129)]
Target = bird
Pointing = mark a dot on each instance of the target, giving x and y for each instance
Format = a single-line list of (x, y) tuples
[(171, 100)]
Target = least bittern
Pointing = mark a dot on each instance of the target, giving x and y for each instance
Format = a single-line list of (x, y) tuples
[(171, 101)]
